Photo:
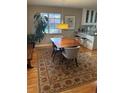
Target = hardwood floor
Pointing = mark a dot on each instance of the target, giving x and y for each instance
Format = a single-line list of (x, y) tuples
[(32, 77)]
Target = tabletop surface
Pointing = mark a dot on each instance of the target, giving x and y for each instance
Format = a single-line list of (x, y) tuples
[(65, 42)]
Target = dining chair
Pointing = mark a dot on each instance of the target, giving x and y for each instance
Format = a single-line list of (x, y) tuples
[(71, 53), (55, 51)]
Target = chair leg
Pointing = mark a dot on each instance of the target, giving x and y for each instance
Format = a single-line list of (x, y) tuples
[(54, 56), (63, 58), (52, 52), (76, 62)]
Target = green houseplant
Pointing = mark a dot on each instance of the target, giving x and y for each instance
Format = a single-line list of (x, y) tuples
[(40, 23)]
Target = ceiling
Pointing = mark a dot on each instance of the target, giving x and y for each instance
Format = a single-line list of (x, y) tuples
[(65, 3)]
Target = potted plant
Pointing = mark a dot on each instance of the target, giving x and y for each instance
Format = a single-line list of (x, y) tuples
[(40, 23), (31, 39)]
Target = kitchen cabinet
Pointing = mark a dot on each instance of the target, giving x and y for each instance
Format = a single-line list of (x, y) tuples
[(89, 17), (87, 40)]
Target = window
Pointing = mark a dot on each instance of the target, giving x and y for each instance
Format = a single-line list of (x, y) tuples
[(87, 16), (91, 19), (54, 19)]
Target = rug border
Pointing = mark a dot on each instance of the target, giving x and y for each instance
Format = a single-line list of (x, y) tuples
[(39, 89)]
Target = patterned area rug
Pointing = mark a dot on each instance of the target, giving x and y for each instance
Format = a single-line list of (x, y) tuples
[(56, 76)]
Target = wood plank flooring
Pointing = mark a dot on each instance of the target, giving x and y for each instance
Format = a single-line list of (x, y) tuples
[(32, 77)]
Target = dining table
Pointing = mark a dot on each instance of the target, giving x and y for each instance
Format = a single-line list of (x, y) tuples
[(65, 42)]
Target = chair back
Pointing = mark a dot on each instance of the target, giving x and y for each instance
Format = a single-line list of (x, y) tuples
[(71, 52)]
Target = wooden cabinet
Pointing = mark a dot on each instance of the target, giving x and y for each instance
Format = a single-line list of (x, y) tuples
[(30, 47), (89, 17)]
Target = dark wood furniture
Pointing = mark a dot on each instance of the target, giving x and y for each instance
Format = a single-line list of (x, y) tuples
[(29, 54)]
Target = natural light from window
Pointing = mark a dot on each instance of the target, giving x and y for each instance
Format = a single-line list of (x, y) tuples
[(54, 19)]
